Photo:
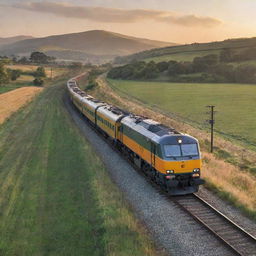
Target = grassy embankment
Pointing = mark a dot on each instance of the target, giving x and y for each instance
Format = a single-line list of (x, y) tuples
[(56, 197), (230, 171), (26, 79)]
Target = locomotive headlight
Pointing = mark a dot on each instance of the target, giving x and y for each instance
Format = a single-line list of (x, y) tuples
[(196, 170), (169, 171)]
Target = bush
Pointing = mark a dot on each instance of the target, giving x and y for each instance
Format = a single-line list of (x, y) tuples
[(14, 74), (38, 81), (4, 76), (40, 72)]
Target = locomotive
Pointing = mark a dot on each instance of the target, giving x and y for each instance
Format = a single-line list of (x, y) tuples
[(170, 158)]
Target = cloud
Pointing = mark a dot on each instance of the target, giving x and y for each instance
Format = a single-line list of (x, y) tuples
[(113, 15)]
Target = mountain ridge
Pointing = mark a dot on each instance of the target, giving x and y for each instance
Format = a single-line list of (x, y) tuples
[(13, 39), (94, 42)]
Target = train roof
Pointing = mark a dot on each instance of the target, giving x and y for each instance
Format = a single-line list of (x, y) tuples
[(112, 112), (156, 131)]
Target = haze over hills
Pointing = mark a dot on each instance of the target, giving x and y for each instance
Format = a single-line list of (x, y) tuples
[(89, 45), (13, 39)]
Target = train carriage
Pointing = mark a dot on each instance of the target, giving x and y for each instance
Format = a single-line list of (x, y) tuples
[(108, 119)]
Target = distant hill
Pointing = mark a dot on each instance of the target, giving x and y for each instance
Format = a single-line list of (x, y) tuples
[(14, 39), (189, 51), (90, 44)]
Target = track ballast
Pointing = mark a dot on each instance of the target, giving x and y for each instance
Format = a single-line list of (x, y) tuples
[(235, 237)]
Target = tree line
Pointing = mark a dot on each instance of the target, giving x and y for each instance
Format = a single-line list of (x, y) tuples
[(7, 75), (209, 68)]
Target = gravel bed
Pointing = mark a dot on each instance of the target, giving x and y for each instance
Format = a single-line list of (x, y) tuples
[(228, 210), (171, 228)]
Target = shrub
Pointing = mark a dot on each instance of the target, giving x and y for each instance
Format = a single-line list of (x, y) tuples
[(38, 81)]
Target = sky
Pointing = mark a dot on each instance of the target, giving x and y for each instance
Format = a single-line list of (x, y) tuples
[(179, 21)]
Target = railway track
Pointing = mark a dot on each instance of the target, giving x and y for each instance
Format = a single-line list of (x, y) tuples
[(229, 233)]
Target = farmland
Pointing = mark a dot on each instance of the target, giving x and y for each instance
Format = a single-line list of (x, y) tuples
[(26, 79), (56, 196), (13, 100), (234, 102), (182, 56)]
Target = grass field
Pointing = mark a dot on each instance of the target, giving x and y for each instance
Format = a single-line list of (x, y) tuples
[(236, 114), (56, 198), (182, 56)]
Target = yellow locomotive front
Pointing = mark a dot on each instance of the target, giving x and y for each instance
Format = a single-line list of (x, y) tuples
[(178, 160)]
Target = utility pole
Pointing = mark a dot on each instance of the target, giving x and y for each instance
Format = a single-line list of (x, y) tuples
[(211, 122), (51, 72)]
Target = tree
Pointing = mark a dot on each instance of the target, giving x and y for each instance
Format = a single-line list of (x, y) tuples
[(23, 60), (227, 55), (201, 64), (38, 57), (162, 66), (245, 74), (150, 71), (175, 68), (38, 81), (4, 78), (40, 72), (14, 74), (76, 65)]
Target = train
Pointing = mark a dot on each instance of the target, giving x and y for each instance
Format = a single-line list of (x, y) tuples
[(171, 159)]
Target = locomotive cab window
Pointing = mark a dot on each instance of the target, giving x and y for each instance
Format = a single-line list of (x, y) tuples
[(172, 150), (189, 149), (181, 150)]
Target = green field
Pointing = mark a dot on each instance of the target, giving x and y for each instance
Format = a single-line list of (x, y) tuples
[(182, 56), (56, 197), (235, 104)]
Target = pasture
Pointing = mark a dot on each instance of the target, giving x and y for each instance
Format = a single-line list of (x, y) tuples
[(235, 104), (56, 197), (182, 56)]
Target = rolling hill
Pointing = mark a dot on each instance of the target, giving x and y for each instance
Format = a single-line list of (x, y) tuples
[(188, 51), (95, 44), (14, 39)]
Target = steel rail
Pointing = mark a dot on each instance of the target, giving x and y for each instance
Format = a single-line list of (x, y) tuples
[(235, 237)]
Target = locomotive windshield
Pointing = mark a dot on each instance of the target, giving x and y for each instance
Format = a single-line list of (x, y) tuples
[(181, 150)]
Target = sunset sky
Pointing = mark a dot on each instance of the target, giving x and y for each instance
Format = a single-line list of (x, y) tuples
[(182, 21)]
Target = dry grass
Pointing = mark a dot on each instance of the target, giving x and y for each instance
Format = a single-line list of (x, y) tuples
[(229, 178), (226, 177), (13, 100), (23, 67), (55, 71)]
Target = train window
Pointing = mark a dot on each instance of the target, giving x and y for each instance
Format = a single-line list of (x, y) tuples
[(189, 149), (172, 150)]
